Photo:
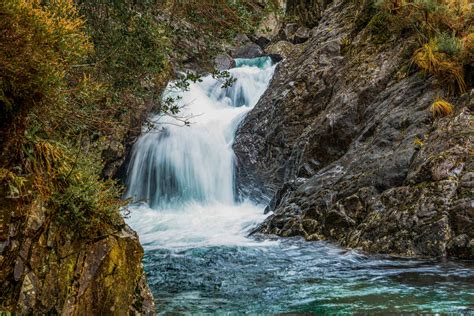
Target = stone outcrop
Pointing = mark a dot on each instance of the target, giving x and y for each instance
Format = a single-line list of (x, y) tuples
[(251, 50), (224, 62), (45, 269), (343, 147)]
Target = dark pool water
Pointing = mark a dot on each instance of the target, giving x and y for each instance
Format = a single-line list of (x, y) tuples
[(293, 276)]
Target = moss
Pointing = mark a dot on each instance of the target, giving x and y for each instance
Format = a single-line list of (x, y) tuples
[(367, 10), (377, 26)]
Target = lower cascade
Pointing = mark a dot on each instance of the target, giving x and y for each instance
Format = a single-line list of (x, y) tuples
[(199, 258)]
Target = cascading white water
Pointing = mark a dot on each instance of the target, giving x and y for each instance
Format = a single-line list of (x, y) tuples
[(182, 178)]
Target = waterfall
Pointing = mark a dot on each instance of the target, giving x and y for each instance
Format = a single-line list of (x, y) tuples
[(181, 178)]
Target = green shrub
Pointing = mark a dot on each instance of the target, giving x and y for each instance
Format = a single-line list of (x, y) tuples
[(87, 204), (448, 44)]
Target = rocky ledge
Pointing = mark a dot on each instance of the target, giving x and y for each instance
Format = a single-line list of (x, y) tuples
[(45, 269), (343, 147)]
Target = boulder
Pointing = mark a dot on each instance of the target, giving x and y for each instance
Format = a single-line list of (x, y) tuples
[(46, 268), (242, 39), (224, 62), (301, 35), (290, 30), (262, 41), (248, 51), (281, 48)]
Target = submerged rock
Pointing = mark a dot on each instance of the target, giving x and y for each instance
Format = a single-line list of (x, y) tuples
[(374, 170)]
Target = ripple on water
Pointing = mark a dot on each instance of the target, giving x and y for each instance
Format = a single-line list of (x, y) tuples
[(297, 276)]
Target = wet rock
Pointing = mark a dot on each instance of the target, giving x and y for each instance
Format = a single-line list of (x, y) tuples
[(224, 62), (248, 51), (347, 124)]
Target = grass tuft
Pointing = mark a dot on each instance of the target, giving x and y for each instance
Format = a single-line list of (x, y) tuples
[(441, 108), (431, 61)]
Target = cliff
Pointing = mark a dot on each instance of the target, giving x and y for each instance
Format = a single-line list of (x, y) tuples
[(343, 145)]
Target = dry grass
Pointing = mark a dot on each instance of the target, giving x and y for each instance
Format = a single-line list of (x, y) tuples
[(15, 184), (441, 108), (448, 71), (444, 29), (47, 164)]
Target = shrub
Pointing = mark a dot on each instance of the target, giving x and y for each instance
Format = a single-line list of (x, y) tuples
[(306, 12), (443, 29), (221, 18), (69, 183), (45, 87), (448, 44), (87, 204), (38, 43)]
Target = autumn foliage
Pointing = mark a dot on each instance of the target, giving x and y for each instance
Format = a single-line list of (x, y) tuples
[(38, 44)]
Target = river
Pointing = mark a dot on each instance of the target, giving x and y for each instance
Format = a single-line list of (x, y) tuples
[(198, 256)]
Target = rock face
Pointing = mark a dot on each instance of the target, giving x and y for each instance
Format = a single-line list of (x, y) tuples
[(343, 147), (46, 270), (281, 48)]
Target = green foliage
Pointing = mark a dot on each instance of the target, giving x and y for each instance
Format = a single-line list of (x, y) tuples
[(367, 10), (448, 44), (38, 42), (224, 77), (219, 19), (184, 82), (86, 204), (306, 12), (378, 27), (130, 43), (75, 76), (45, 88)]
